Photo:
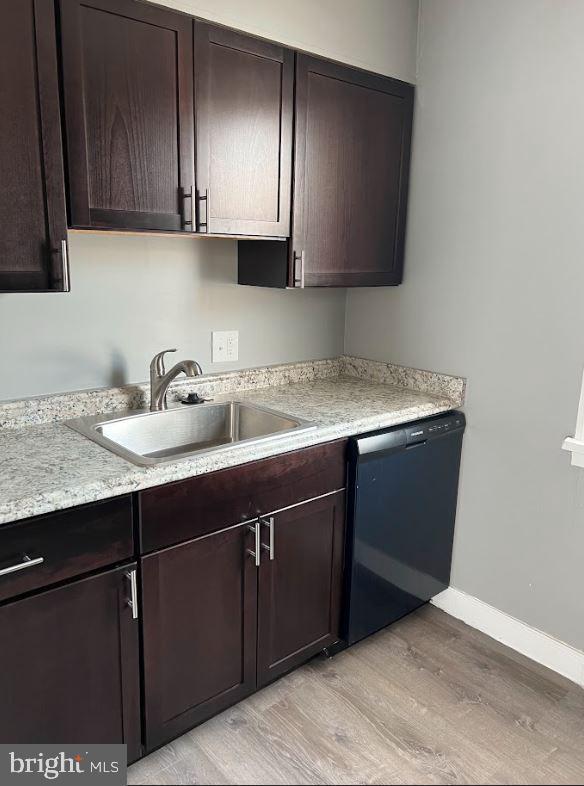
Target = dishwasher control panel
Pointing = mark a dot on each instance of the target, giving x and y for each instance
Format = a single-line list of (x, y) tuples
[(420, 432)]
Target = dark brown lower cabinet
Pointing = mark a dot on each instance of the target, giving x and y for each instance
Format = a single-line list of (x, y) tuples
[(200, 607), (205, 648), (300, 588), (69, 665)]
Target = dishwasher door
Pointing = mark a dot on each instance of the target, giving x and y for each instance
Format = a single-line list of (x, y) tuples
[(402, 508)]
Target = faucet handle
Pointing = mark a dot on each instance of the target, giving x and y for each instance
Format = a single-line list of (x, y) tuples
[(157, 364)]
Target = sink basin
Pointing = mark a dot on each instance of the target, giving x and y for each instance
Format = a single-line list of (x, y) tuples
[(148, 438)]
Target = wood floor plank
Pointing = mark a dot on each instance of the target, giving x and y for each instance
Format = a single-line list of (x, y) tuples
[(464, 663), (344, 747), (537, 682), (477, 699), (564, 723), (427, 701), (181, 761), (428, 740), (240, 746), (460, 630)]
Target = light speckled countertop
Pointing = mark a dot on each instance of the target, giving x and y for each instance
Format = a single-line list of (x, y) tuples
[(49, 467)]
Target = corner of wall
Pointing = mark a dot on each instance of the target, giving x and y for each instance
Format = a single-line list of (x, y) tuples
[(418, 42)]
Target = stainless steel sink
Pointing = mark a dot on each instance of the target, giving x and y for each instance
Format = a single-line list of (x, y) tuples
[(148, 438)]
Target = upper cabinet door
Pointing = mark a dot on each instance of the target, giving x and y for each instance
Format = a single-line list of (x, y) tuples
[(244, 96), (128, 89), (33, 219), (352, 151)]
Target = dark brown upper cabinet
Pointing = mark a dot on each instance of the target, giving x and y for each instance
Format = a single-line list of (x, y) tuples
[(351, 166), (33, 220), (128, 93), (353, 134), (243, 101)]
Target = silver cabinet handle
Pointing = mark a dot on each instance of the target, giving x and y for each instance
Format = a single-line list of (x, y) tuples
[(269, 522), (207, 200), (65, 264), (132, 601), (27, 562), (257, 554), (299, 269), (188, 223)]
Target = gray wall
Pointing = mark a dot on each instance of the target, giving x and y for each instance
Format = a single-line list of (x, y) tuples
[(133, 296), (379, 35), (493, 289)]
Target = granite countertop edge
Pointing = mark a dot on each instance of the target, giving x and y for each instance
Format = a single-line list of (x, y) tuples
[(124, 477)]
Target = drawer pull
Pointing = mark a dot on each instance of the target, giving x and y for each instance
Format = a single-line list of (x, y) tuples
[(27, 562)]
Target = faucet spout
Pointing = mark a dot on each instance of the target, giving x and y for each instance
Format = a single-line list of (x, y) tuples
[(190, 367), (161, 379)]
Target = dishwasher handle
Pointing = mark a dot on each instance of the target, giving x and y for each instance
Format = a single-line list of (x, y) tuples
[(380, 444)]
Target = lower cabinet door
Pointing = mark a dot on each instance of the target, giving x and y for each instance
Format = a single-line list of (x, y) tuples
[(69, 665), (200, 621), (300, 585)]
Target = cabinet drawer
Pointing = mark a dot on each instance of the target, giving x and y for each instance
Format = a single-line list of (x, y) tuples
[(65, 544), (197, 506)]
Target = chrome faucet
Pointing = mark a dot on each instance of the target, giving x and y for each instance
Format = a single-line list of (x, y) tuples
[(161, 379)]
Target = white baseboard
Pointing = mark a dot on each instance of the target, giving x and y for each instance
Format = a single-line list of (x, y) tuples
[(533, 643)]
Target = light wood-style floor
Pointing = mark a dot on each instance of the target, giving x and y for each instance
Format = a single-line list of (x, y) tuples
[(429, 700)]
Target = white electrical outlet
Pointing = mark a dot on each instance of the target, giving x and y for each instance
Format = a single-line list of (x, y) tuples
[(225, 346)]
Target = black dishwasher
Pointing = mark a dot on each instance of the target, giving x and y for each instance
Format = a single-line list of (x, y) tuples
[(402, 507)]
